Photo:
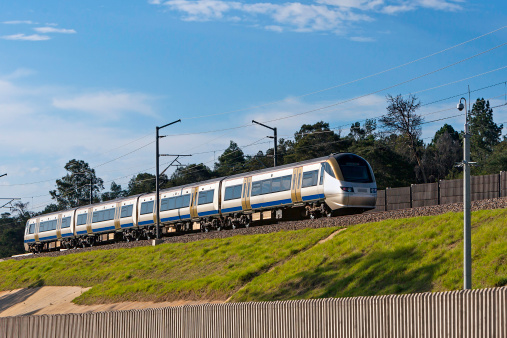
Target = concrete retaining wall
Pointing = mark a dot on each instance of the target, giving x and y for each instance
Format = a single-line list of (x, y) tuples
[(477, 313)]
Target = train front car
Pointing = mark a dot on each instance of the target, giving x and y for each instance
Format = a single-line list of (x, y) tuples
[(349, 184)]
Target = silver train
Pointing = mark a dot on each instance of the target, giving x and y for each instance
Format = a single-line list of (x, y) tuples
[(336, 184)]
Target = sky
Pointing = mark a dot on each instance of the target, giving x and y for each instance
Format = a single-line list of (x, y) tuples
[(90, 80)]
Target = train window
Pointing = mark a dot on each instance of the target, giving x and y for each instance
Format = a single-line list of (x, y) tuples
[(32, 229), (179, 202), (81, 219), (186, 201), (232, 193), (266, 187), (286, 180), (147, 207), (256, 188), (354, 169), (276, 184), (47, 226), (205, 197), (310, 178), (65, 222), (126, 211), (103, 215), (328, 169)]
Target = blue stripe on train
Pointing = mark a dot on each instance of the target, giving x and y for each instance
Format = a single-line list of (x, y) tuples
[(168, 219), (47, 238), (272, 203), (185, 216), (208, 213), (313, 197), (67, 235), (82, 232), (104, 229), (128, 225), (30, 240), (146, 222), (226, 210)]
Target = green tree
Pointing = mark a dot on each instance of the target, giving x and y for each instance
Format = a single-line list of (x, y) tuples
[(12, 230), (401, 119), (73, 189), (144, 183), (312, 141), (192, 173), (233, 157), (485, 133), (442, 154), (115, 192)]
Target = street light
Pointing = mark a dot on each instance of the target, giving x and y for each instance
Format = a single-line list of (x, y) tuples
[(467, 240), (157, 197), (273, 137), (3, 175)]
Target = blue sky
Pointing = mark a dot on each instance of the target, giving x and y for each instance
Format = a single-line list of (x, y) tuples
[(91, 80)]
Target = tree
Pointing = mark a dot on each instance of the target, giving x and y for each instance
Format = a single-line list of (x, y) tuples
[(401, 119), (312, 141), (442, 154), (143, 183), (357, 133), (192, 173), (116, 192), (73, 189), (12, 230), (485, 133), (233, 157)]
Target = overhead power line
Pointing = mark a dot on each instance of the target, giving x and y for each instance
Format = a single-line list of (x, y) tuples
[(350, 82)]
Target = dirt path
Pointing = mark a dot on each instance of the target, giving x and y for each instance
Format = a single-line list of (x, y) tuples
[(58, 300)]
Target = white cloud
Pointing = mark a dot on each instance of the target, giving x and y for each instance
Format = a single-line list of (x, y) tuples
[(362, 39), (45, 30), (107, 104), (19, 22), (23, 37), (319, 16)]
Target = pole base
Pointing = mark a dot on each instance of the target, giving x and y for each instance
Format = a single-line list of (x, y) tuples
[(155, 242)]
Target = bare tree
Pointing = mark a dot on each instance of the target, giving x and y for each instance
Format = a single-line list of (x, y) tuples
[(401, 119)]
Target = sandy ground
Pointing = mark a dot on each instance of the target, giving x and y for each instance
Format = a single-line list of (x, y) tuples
[(58, 300)]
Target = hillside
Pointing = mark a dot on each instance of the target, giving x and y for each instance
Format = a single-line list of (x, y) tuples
[(393, 256)]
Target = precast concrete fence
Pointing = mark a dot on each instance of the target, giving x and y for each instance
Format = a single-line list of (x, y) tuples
[(463, 314), (442, 192)]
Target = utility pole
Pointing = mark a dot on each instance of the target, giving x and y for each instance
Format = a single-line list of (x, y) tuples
[(157, 184), (467, 217), (273, 137)]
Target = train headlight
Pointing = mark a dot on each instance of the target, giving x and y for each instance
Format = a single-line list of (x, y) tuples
[(373, 190), (347, 189)]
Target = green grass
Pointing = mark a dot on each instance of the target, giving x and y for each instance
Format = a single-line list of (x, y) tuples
[(210, 269), (390, 257)]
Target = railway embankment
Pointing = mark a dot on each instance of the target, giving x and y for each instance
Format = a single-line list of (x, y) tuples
[(412, 251)]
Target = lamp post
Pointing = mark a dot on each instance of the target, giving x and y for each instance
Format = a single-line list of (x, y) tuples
[(467, 240), (273, 137), (157, 197), (3, 175)]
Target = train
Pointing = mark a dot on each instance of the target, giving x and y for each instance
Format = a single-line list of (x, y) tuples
[(337, 184)]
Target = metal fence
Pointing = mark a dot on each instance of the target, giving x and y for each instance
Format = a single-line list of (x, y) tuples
[(469, 314), (442, 192)]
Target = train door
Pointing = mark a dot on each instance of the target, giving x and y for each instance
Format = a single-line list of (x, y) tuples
[(117, 225), (245, 194), (59, 227), (89, 221), (193, 203), (297, 175)]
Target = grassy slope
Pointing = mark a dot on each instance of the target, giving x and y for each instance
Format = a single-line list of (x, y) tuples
[(398, 256), (210, 269)]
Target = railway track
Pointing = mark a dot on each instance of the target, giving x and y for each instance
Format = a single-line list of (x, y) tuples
[(344, 221)]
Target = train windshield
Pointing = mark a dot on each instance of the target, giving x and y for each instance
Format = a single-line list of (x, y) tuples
[(354, 168)]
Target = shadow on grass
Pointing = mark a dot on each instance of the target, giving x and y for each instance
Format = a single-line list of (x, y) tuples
[(376, 273)]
